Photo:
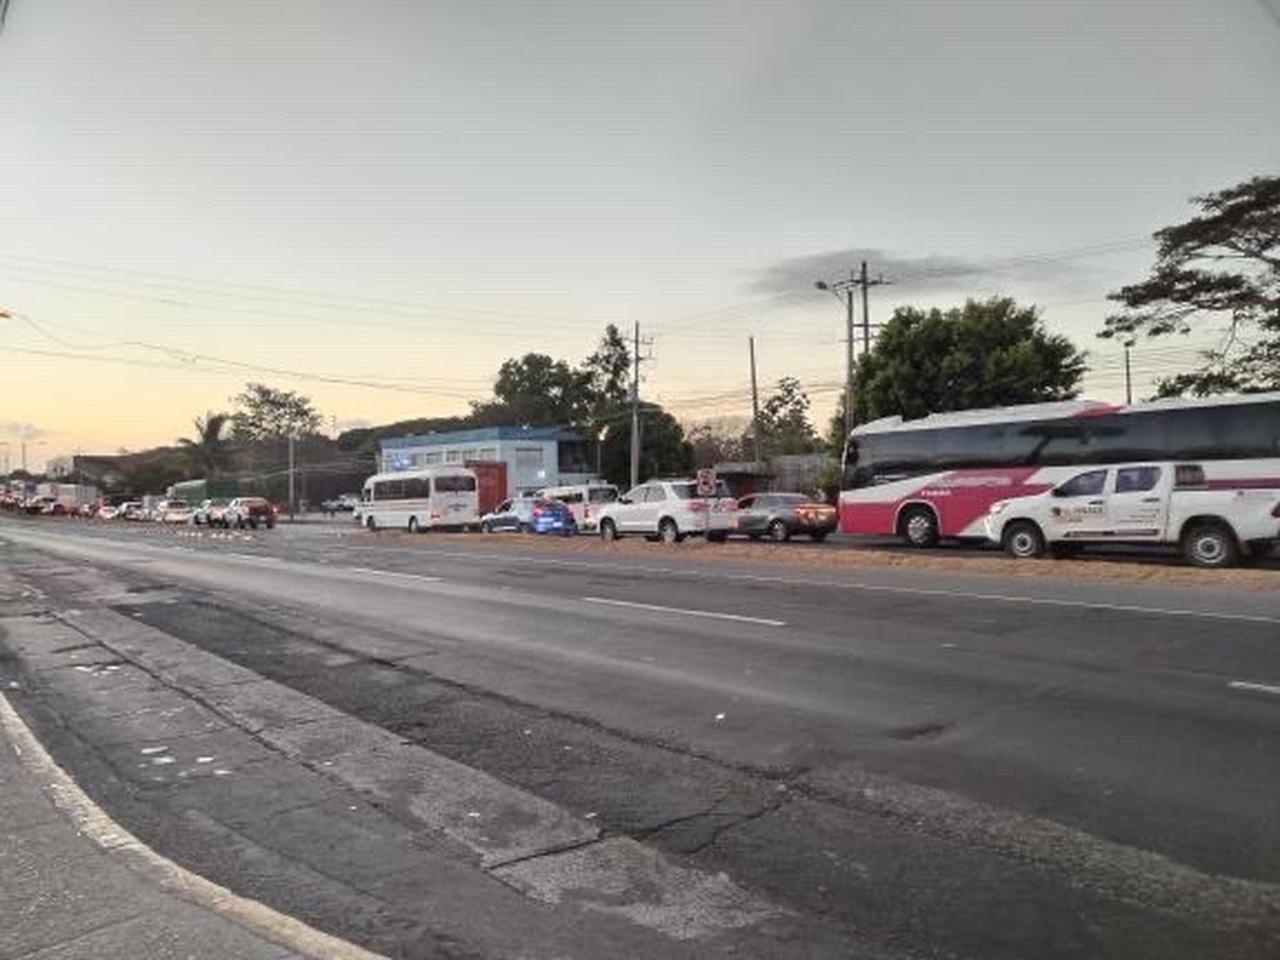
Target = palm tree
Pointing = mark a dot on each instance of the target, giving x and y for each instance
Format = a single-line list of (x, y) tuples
[(210, 451)]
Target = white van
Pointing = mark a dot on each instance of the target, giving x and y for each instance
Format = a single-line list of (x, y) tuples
[(427, 499), (584, 500)]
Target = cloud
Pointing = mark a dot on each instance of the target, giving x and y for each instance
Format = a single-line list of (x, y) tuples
[(23, 431), (794, 277)]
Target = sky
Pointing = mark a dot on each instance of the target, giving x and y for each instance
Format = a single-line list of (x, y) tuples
[(377, 203)]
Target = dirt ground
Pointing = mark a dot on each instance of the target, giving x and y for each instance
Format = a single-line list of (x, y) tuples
[(1168, 570)]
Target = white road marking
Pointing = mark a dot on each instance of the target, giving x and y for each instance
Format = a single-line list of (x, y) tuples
[(1254, 687), (738, 618), (873, 588), (393, 573)]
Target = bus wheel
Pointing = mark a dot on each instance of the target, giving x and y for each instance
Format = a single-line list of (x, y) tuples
[(371, 524), (1023, 539), (919, 527), (413, 525), (1210, 544)]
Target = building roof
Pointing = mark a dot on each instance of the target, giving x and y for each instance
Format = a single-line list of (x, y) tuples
[(478, 435)]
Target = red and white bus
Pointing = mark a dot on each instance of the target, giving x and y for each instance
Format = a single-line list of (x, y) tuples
[(937, 476)]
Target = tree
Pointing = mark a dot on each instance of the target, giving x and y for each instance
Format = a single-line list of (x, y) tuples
[(1223, 264), (607, 373), (536, 391), (268, 414), (209, 451), (984, 354), (719, 441), (784, 421), (664, 451)]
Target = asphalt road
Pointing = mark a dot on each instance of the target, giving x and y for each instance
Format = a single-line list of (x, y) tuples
[(945, 763)]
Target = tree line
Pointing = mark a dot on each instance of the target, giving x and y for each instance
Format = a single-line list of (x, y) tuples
[(1221, 266)]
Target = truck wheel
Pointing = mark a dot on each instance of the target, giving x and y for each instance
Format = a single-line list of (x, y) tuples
[(919, 527), (608, 532), (1023, 539), (371, 524), (1210, 544)]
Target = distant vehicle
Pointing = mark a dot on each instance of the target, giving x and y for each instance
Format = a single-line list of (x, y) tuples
[(343, 503), (585, 500), (530, 515), (937, 476), (173, 510), (780, 516), (670, 510), (251, 512), (210, 512), (47, 506), (1167, 503), (427, 499), (131, 510)]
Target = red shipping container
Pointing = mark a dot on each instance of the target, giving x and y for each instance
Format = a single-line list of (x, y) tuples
[(491, 477)]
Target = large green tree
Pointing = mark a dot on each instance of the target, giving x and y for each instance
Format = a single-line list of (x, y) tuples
[(785, 427), (987, 353), (1220, 267), (664, 450), (264, 413)]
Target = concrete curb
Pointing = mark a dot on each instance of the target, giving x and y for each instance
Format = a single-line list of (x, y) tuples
[(94, 823)]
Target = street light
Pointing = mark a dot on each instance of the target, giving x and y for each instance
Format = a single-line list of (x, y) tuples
[(843, 290)]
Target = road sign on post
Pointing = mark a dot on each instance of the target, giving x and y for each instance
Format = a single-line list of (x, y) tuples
[(706, 483)]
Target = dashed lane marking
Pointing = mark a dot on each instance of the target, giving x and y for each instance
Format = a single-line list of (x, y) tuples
[(712, 614), (1255, 687)]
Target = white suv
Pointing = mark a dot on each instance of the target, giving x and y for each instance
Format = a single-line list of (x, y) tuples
[(670, 510)]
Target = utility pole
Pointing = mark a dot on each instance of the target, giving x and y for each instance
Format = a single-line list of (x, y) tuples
[(1128, 375), (291, 500), (755, 401), (635, 409)]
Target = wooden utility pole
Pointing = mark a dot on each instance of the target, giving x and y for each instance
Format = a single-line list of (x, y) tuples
[(635, 409), (755, 401)]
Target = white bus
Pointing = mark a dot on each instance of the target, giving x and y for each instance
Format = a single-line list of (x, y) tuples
[(428, 499), (584, 500), (938, 476)]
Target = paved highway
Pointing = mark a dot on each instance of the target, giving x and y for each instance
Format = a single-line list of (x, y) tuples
[(931, 762)]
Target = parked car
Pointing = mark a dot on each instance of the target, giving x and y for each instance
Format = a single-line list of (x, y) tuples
[(530, 515), (173, 510), (343, 503), (131, 510), (210, 512), (670, 510), (249, 512), (47, 506), (1216, 524), (780, 516)]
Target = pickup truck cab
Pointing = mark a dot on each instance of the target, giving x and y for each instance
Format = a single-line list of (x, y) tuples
[(1214, 524)]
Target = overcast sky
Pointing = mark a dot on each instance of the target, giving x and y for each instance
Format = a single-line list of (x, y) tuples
[(407, 193)]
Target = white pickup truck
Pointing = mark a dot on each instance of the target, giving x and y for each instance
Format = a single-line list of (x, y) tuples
[(1215, 522)]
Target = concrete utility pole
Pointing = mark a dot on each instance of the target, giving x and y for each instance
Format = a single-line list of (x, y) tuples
[(755, 401), (843, 290), (635, 409)]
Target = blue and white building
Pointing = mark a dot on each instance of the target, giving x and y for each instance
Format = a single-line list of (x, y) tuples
[(536, 457)]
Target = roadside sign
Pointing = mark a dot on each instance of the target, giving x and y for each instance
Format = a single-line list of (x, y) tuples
[(706, 483)]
